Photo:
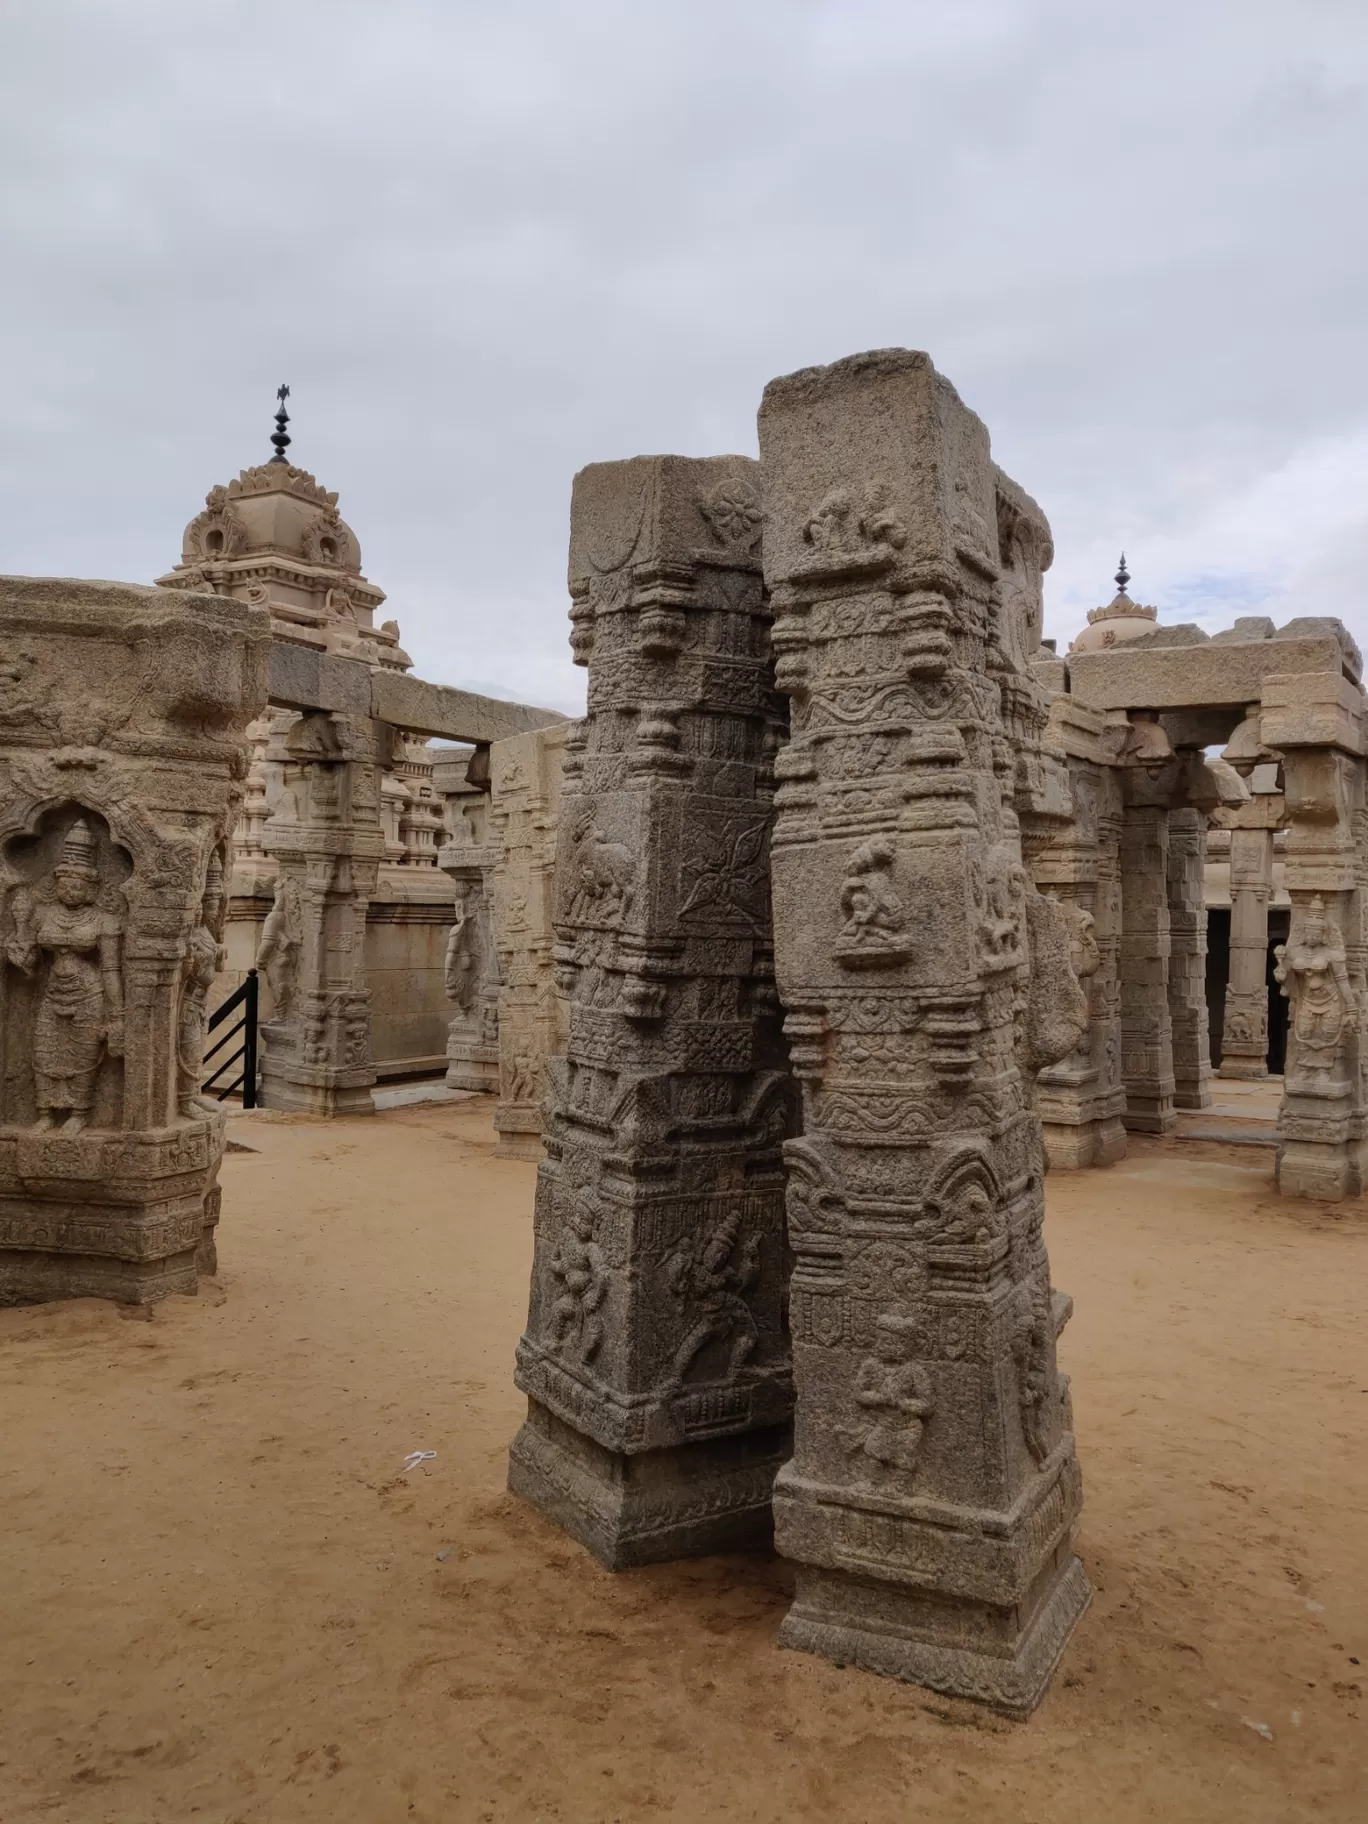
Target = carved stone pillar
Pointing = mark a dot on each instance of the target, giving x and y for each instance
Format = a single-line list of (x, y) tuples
[(1244, 1032), (1082, 1099), (123, 718), (525, 775), (1317, 724), (656, 1359), (932, 1496), (1188, 1020), (469, 856), (327, 840), (1146, 1024)]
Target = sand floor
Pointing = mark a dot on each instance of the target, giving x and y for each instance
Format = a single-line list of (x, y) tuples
[(224, 1600)]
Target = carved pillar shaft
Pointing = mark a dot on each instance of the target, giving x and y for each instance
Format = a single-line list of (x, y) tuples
[(1244, 1031), (655, 1358), (1146, 1026), (1188, 1019), (1323, 1123), (326, 837), (469, 856), (925, 983)]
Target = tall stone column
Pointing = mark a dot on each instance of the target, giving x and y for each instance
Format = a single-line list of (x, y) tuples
[(1317, 723), (1244, 1031), (932, 1496), (1188, 1019), (123, 719), (655, 1358), (326, 837), (1146, 1023), (525, 775), (1082, 1099), (469, 856)]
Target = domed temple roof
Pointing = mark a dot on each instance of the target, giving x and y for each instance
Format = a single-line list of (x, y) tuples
[(275, 536), (1121, 619)]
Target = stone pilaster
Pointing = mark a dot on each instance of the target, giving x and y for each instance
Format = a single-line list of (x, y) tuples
[(1146, 1024), (1244, 1031), (123, 719), (655, 1359), (525, 775), (1188, 1020), (932, 1496), (1082, 1099), (326, 837), (1317, 724)]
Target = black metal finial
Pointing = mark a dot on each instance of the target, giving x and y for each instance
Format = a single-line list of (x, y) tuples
[(1122, 576), (280, 437)]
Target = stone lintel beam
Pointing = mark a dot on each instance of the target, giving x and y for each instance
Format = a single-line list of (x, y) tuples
[(1201, 727), (1208, 676), (1265, 811), (303, 679), (1316, 709)]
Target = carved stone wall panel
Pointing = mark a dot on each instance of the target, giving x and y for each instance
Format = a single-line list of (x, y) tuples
[(933, 1490), (123, 714), (656, 1355)]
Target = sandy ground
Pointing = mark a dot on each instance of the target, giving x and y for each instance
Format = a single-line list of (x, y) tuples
[(223, 1600)]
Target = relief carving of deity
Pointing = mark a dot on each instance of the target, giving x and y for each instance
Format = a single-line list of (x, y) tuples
[(1313, 972), (873, 934), (462, 958), (69, 933), (204, 957), (582, 1275), (709, 1276), (893, 1402), (277, 954)]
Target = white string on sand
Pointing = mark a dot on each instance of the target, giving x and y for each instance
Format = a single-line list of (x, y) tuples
[(415, 1457)]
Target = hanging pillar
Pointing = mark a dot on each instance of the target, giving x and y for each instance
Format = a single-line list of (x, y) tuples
[(326, 836), (1146, 1025), (1244, 1033), (1188, 1021)]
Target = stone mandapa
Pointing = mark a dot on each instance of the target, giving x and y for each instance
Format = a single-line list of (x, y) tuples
[(656, 1359), (123, 714), (934, 1488)]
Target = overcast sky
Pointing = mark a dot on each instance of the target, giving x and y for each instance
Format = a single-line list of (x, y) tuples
[(488, 243)]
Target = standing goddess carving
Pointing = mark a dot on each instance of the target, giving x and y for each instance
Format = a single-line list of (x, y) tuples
[(1313, 972), (80, 1007), (278, 952), (204, 957)]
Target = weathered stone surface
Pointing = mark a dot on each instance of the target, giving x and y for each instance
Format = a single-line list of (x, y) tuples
[(1188, 1019), (525, 778), (1196, 677), (326, 838), (931, 1500), (469, 856), (1082, 1098), (655, 1359), (1244, 1030), (122, 721)]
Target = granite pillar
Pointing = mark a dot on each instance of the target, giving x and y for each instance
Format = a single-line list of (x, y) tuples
[(1244, 1032), (1188, 1019), (326, 837), (123, 718), (931, 1500), (1146, 1023), (656, 1359)]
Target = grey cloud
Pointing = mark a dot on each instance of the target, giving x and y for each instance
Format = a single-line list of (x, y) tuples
[(488, 243)]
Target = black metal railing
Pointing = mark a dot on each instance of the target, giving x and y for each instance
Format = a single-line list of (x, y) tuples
[(245, 998)]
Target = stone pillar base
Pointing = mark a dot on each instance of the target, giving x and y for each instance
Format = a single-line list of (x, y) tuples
[(120, 1215), (1151, 1118), (1071, 1147), (646, 1508), (1193, 1095), (964, 1649), (479, 1071), (519, 1128), (290, 1095), (1249, 1070), (1323, 1173)]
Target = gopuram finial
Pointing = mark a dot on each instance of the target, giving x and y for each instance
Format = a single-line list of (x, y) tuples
[(280, 437), (1122, 576)]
